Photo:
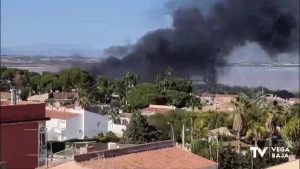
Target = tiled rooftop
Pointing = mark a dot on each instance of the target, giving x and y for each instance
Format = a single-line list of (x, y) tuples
[(152, 110), (166, 158), (155, 155)]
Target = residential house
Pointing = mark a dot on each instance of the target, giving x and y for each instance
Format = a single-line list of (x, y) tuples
[(154, 109), (218, 102), (280, 101), (72, 122), (163, 154), (293, 101), (118, 127), (56, 96), (38, 98), (22, 136)]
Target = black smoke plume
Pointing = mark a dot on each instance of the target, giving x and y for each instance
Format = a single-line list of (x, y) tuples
[(198, 43)]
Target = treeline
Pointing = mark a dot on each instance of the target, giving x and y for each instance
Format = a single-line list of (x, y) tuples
[(64, 80), (131, 92), (128, 91)]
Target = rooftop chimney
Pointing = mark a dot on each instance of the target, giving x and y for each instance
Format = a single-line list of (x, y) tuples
[(13, 95)]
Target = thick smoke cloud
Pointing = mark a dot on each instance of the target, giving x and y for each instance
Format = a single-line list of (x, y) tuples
[(198, 43)]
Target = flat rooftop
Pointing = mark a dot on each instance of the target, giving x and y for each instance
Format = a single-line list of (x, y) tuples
[(23, 111), (8, 103)]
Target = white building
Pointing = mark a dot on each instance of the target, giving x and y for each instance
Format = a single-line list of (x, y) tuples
[(119, 128), (74, 123)]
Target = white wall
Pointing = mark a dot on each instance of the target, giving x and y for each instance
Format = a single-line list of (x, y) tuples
[(55, 129), (118, 129), (94, 124), (60, 130), (75, 128), (87, 124)]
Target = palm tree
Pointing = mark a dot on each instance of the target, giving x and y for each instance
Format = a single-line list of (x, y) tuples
[(162, 82), (130, 81), (291, 133), (270, 126), (256, 132), (193, 103), (84, 98), (238, 120), (114, 115), (104, 87), (201, 130)]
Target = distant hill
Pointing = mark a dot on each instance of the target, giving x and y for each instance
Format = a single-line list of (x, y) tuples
[(51, 50)]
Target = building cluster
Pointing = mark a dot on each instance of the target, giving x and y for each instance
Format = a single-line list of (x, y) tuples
[(27, 126)]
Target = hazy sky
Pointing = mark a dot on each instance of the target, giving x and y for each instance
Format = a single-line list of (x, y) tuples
[(93, 23)]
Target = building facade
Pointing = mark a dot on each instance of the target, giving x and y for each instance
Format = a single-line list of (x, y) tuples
[(23, 136), (74, 123), (119, 127)]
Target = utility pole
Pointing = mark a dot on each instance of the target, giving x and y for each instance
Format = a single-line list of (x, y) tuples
[(183, 135), (173, 137)]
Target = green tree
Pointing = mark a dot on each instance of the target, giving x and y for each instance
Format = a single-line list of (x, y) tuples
[(240, 106), (130, 82), (24, 94), (114, 115), (160, 122), (177, 118), (104, 89), (201, 129), (34, 83), (84, 98), (177, 98), (270, 126), (109, 137), (20, 80), (2, 69), (194, 102), (142, 95), (229, 159), (8, 73), (256, 132), (139, 131), (49, 81), (291, 133), (118, 89)]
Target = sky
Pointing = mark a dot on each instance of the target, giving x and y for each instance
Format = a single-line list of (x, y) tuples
[(91, 24)]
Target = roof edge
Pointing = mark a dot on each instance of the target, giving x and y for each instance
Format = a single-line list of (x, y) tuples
[(126, 150)]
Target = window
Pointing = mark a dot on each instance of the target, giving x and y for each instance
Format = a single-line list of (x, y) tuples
[(42, 143), (80, 131), (98, 124), (124, 122)]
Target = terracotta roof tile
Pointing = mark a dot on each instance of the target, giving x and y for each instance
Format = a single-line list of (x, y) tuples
[(63, 115), (152, 110), (166, 158)]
